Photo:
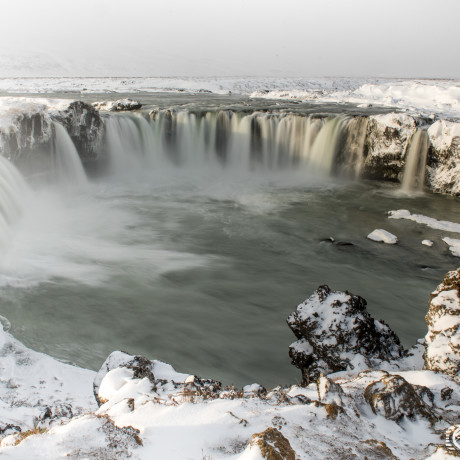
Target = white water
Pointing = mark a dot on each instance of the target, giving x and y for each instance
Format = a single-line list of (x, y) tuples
[(326, 146), (414, 171), (67, 163), (13, 190), (232, 141)]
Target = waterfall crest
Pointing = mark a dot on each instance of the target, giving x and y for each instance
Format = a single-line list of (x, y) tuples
[(414, 171), (67, 164)]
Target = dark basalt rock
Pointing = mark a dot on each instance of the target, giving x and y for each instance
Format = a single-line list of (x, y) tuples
[(335, 332), (395, 398), (85, 126)]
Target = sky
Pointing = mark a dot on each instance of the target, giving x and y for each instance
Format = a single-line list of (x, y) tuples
[(288, 38)]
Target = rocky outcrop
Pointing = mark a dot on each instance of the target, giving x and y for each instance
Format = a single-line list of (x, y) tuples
[(85, 126), (395, 398), (444, 172), (335, 332), (442, 342), (121, 105), (26, 131), (272, 445), (387, 140)]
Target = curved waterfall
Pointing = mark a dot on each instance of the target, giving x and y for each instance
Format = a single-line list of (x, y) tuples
[(233, 141)]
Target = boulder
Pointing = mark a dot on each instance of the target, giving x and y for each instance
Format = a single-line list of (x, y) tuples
[(395, 398), (335, 333), (272, 445), (442, 342)]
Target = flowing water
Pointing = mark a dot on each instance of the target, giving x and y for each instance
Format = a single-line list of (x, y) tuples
[(199, 240)]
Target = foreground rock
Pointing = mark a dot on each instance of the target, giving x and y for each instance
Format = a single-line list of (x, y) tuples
[(335, 333), (443, 319)]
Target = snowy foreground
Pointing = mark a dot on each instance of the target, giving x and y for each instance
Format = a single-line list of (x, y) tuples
[(379, 402)]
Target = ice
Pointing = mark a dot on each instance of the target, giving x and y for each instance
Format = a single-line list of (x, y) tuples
[(382, 236)]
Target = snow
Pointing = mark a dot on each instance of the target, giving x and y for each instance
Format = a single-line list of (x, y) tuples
[(428, 243), (140, 421), (426, 96), (382, 236), (454, 245), (13, 107), (31, 382), (441, 133), (429, 221)]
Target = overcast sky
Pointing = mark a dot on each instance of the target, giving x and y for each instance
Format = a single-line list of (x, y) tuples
[(406, 38)]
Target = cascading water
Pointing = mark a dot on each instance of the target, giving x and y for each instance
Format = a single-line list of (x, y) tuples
[(326, 146), (414, 171), (67, 163), (13, 190), (232, 140)]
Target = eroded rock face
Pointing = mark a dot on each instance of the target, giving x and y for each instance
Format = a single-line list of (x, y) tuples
[(442, 342), (395, 398), (85, 126), (25, 132), (444, 173), (335, 332), (386, 143)]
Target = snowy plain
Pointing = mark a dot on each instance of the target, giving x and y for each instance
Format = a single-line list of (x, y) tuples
[(428, 97)]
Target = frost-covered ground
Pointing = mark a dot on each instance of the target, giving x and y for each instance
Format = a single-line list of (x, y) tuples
[(416, 95)]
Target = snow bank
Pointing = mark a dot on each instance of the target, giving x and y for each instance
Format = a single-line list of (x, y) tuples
[(36, 388), (444, 225)]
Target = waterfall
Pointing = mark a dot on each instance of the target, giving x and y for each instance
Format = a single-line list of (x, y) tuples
[(234, 141), (414, 171), (353, 152), (67, 163), (326, 146), (13, 190)]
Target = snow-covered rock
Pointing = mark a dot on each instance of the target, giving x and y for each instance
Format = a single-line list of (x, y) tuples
[(394, 398), (428, 243), (443, 319), (382, 236), (444, 176), (386, 143), (120, 105), (335, 332), (85, 126)]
